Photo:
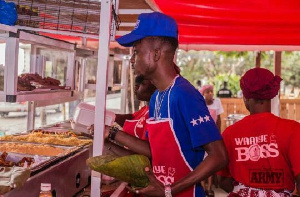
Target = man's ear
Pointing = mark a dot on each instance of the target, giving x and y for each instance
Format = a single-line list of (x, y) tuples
[(247, 103), (157, 54), (245, 100)]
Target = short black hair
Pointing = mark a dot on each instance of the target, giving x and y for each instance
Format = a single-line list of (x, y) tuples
[(137, 42), (173, 42), (199, 83)]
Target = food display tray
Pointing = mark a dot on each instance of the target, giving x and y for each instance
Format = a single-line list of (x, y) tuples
[(67, 149), (67, 175), (49, 160), (81, 137)]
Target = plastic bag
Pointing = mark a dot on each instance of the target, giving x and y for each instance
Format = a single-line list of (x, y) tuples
[(8, 13), (12, 177)]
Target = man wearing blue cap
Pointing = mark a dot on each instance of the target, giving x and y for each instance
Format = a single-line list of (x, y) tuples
[(180, 128)]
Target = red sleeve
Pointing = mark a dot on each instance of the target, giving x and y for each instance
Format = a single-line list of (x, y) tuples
[(138, 114), (225, 171), (135, 114), (294, 153)]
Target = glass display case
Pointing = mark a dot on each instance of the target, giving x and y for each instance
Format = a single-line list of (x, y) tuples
[(35, 67), (117, 81), (37, 78)]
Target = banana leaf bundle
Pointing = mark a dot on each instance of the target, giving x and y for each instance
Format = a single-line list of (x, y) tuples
[(130, 169)]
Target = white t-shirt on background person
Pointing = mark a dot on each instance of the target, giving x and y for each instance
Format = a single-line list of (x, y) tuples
[(215, 108)]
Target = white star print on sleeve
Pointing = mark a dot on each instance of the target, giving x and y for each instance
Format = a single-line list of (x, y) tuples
[(194, 122), (201, 119), (206, 118)]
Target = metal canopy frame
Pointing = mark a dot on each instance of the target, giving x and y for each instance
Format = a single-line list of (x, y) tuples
[(103, 56), (77, 18)]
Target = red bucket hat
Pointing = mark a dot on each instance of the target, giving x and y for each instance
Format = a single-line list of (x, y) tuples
[(260, 83)]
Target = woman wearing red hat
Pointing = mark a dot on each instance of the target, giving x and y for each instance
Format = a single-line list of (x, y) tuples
[(262, 148)]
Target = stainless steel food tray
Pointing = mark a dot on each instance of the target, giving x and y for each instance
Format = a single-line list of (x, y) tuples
[(69, 151), (50, 144)]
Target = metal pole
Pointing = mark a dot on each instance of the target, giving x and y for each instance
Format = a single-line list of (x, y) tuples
[(32, 104), (82, 74), (70, 81), (33, 59), (275, 102), (277, 63), (31, 115), (11, 65), (43, 116), (124, 85), (131, 75), (258, 59), (101, 87)]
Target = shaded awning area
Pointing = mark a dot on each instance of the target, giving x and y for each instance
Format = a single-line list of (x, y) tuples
[(72, 20), (203, 24), (235, 22)]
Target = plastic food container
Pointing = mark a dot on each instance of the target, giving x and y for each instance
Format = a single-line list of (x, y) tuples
[(84, 117), (84, 114)]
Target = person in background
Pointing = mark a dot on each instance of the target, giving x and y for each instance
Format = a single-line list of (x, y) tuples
[(180, 128), (198, 84), (239, 94), (264, 156), (214, 104), (224, 92), (215, 109), (134, 124)]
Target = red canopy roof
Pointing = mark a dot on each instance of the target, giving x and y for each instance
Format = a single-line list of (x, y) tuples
[(235, 22)]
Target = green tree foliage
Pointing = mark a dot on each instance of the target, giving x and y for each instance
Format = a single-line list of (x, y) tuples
[(215, 67), (218, 66), (233, 82), (290, 71)]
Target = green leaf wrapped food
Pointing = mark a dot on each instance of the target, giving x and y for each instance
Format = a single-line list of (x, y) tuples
[(130, 169)]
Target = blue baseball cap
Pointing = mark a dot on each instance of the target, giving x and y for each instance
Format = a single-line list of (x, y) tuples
[(150, 24)]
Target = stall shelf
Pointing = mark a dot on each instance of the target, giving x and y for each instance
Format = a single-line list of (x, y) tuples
[(12, 38)]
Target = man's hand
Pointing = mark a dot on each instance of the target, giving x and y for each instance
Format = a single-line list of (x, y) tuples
[(226, 183), (91, 129), (155, 188), (106, 132)]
